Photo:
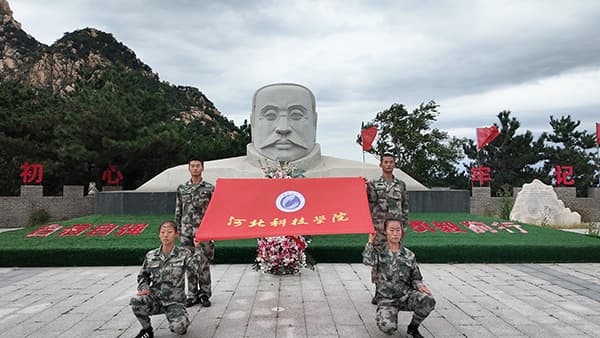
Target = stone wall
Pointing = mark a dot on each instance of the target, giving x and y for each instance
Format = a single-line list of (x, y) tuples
[(157, 203), (16, 210), (482, 203)]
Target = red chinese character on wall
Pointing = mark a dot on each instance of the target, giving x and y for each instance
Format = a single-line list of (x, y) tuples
[(112, 175), (481, 175), (564, 175), (32, 173)]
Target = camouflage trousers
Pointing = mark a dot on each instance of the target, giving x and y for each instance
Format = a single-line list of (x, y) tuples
[(201, 284), (378, 244), (145, 306), (387, 309)]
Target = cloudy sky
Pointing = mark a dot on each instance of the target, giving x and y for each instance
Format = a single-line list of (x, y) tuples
[(474, 58)]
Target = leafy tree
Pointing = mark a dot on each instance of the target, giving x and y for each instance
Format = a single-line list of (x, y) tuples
[(514, 159), (427, 154), (27, 122), (116, 116), (566, 146)]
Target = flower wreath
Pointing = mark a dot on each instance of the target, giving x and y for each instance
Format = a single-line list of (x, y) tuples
[(282, 255)]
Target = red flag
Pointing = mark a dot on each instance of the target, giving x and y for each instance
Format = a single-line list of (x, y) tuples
[(597, 133), (368, 135), (260, 207), (486, 135)]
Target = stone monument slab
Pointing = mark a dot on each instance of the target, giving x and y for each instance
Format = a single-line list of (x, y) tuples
[(537, 203)]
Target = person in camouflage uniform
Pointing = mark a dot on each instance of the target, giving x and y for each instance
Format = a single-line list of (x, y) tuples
[(387, 199), (161, 283), (192, 201), (400, 285)]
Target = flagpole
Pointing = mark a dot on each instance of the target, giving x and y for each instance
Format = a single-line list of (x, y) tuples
[(362, 140)]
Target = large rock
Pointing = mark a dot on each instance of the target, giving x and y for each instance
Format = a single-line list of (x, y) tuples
[(537, 203)]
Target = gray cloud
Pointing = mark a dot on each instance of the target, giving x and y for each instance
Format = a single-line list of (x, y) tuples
[(475, 58)]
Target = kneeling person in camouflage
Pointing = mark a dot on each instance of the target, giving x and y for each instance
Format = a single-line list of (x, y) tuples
[(161, 283), (400, 284)]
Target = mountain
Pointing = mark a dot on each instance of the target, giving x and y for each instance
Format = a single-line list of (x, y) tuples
[(86, 102), (77, 56)]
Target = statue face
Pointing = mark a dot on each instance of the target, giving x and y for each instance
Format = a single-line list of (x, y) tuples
[(284, 122)]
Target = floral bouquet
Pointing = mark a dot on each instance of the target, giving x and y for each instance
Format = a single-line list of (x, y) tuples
[(282, 255), (280, 170)]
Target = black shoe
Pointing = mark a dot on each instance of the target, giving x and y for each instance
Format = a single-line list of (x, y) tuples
[(204, 301), (145, 333), (413, 331), (192, 301)]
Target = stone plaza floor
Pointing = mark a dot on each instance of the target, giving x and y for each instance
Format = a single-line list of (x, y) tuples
[(473, 300)]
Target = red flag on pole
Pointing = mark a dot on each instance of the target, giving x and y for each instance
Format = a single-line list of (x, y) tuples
[(259, 207), (598, 133), (368, 135), (486, 135)]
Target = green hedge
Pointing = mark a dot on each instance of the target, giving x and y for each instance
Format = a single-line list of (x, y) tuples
[(539, 245)]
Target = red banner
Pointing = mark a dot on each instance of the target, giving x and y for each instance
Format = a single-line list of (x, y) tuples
[(367, 136), (262, 207), (486, 135)]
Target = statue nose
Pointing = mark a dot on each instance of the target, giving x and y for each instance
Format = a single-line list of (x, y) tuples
[(283, 126)]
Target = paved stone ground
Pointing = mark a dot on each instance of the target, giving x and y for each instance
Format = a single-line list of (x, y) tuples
[(473, 300)]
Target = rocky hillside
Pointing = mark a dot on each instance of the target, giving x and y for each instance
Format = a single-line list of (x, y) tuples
[(78, 56)]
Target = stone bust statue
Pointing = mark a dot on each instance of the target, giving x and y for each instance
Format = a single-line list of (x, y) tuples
[(284, 127), (284, 121)]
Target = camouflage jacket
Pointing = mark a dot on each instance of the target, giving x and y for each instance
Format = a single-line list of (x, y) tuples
[(387, 200), (398, 273), (192, 202), (164, 275)]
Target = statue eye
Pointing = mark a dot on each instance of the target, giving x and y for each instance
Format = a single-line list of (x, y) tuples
[(270, 114), (296, 114)]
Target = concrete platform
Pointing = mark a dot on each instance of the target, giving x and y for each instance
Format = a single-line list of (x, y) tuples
[(473, 300)]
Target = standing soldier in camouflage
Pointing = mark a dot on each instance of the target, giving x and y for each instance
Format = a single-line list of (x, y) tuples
[(161, 283), (192, 201), (387, 199), (400, 285)]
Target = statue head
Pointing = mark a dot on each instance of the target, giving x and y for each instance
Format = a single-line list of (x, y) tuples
[(284, 121)]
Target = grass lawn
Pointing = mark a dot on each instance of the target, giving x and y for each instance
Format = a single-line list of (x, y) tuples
[(538, 245)]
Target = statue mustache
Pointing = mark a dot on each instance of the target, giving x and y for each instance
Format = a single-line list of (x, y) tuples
[(274, 138)]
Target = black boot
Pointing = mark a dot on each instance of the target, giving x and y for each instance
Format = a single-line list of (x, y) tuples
[(192, 301), (204, 301), (413, 331), (145, 333)]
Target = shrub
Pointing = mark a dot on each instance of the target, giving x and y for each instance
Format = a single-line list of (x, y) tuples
[(39, 217), (506, 201), (585, 213)]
